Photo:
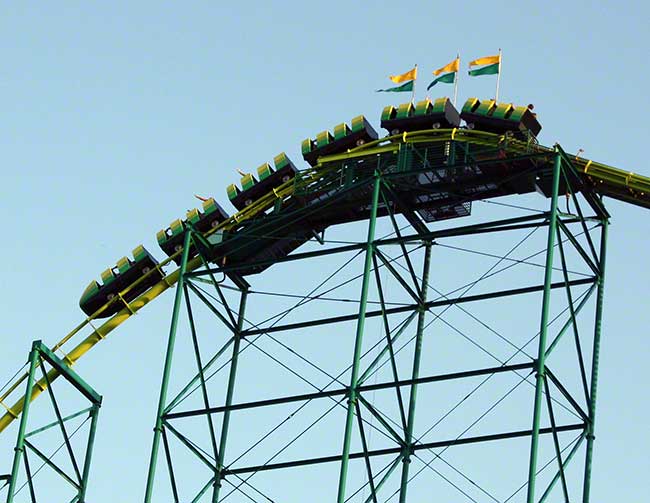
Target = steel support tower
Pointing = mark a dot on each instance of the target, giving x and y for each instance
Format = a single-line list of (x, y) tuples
[(379, 405), (52, 461)]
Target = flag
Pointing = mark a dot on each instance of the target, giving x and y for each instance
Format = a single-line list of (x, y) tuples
[(204, 199), (486, 70), (454, 66), (487, 60), (489, 65), (447, 78), (407, 87), (410, 75)]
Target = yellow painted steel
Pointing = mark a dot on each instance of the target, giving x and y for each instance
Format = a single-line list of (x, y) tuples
[(100, 333), (638, 186)]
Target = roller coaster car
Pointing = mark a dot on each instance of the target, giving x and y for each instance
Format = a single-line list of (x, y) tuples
[(343, 139), (269, 179), (170, 240), (115, 279), (501, 118), (425, 115)]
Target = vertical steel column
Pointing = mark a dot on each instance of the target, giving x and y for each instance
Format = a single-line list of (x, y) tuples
[(20, 442), (594, 364), (359, 340), (178, 299), (417, 356), (541, 351), (229, 394), (94, 413)]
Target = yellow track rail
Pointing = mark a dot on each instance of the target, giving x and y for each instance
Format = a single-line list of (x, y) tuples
[(600, 173)]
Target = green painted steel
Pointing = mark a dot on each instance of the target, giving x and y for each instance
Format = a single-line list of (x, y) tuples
[(19, 450), (565, 465), (514, 224), (413, 153), (70, 375), (94, 414), (569, 323), (229, 395), (540, 366), (591, 427), (204, 391), (56, 423), (393, 466), (195, 379), (371, 367), (406, 156), (358, 339), (39, 356), (417, 356), (167, 369), (405, 160)]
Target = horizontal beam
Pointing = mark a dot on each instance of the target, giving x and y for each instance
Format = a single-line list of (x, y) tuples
[(495, 226), (70, 375), (338, 392), (397, 450), (411, 307)]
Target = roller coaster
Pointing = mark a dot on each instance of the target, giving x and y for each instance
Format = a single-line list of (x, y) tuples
[(432, 165)]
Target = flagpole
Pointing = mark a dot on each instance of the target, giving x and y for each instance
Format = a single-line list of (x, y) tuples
[(456, 79), (496, 96), (416, 78)]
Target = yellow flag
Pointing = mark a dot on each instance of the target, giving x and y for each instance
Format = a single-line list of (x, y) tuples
[(410, 75), (487, 60), (454, 66)]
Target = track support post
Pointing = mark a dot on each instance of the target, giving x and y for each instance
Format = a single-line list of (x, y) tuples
[(229, 396), (94, 414), (19, 450), (540, 363), (417, 356), (178, 299), (358, 342), (594, 364)]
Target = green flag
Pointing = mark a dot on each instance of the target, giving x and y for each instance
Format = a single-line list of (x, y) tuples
[(486, 70), (447, 78), (406, 87)]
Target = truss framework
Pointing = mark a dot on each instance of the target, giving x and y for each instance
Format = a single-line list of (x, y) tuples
[(549, 390), (30, 457)]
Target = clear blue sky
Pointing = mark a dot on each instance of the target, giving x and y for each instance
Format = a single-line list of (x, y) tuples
[(114, 116)]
